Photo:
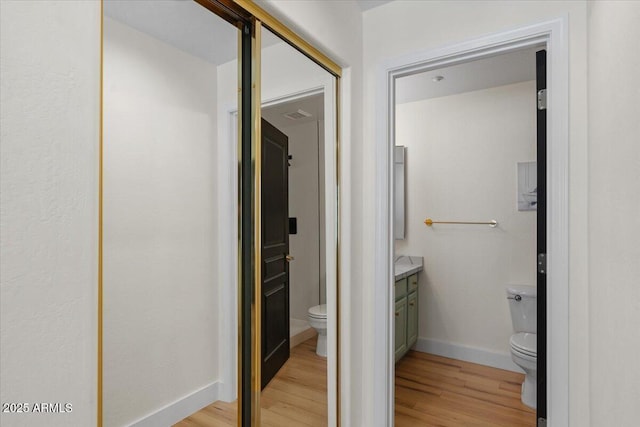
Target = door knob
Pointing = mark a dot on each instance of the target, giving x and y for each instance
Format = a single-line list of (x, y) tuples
[(289, 258)]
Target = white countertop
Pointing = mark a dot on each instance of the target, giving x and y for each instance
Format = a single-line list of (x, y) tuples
[(407, 265)]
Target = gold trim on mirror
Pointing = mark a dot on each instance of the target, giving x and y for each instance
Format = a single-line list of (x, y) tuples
[(239, 282), (256, 308), (290, 37), (338, 222)]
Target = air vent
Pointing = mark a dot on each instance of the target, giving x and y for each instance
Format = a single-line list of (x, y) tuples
[(297, 115)]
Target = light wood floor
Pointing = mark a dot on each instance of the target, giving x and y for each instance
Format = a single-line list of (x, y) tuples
[(436, 391), (296, 396), (430, 391)]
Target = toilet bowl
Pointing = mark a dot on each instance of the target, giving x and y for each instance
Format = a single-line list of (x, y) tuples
[(524, 354), (317, 317), (523, 343)]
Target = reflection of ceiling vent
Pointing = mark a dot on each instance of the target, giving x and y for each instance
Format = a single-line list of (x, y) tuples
[(297, 115)]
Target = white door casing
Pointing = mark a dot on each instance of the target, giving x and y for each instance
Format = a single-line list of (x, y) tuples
[(553, 35)]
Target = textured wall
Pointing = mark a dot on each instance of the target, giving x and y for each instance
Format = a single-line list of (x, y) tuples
[(614, 204), (49, 65)]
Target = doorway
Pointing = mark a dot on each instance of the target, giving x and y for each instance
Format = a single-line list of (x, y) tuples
[(548, 34), (465, 130)]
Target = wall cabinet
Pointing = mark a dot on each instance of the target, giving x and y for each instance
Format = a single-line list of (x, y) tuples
[(406, 314)]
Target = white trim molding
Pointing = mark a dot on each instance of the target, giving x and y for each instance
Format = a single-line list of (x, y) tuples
[(181, 408), (552, 35), (467, 353)]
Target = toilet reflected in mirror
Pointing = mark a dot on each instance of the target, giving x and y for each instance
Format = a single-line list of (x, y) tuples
[(318, 321)]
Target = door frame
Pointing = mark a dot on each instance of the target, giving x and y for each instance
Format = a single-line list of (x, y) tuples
[(227, 225), (553, 35)]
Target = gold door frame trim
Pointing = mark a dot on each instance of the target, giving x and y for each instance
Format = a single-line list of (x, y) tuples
[(239, 254), (256, 145), (290, 36), (337, 243)]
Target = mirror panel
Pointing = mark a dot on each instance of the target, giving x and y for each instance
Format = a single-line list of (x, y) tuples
[(165, 335), (298, 284)]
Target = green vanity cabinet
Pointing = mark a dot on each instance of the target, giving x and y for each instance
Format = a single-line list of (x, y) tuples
[(412, 319), (401, 327), (406, 314)]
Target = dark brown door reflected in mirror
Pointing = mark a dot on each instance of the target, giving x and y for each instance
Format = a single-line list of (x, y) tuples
[(275, 251)]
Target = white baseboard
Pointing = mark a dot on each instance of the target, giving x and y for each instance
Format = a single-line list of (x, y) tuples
[(302, 337), (467, 354), (182, 408)]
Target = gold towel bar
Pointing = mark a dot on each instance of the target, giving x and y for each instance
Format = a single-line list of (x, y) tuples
[(429, 222)]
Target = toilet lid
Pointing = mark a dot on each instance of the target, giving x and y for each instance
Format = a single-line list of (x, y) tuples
[(525, 342), (318, 311)]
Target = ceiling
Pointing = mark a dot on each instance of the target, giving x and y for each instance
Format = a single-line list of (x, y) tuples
[(513, 67), (313, 104), (185, 25), (370, 4)]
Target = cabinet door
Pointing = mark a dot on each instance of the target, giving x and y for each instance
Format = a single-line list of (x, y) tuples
[(412, 319), (401, 328), (400, 289)]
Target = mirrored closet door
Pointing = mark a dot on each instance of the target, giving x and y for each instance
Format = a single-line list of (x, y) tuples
[(298, 236), (218, 292), (166, 73)]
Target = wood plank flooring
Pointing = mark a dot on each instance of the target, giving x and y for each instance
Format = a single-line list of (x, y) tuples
[(296, 396), (437, 391), (430, 391)]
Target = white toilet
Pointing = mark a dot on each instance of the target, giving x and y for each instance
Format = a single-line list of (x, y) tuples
[(522, 304), (317, 317)]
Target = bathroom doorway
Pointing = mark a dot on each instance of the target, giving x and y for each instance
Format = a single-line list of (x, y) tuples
[(466, 131), (551, 35)]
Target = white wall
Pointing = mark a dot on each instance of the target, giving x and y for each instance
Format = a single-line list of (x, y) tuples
[(304, 280), (614, 204), (461, 161), (403, 27), (160, 288), (49, 92)]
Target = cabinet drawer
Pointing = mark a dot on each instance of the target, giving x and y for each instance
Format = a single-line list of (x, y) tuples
[(413, 282), (400, 288)]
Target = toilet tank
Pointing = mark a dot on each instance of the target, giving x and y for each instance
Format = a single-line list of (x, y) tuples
[(523, 307)]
